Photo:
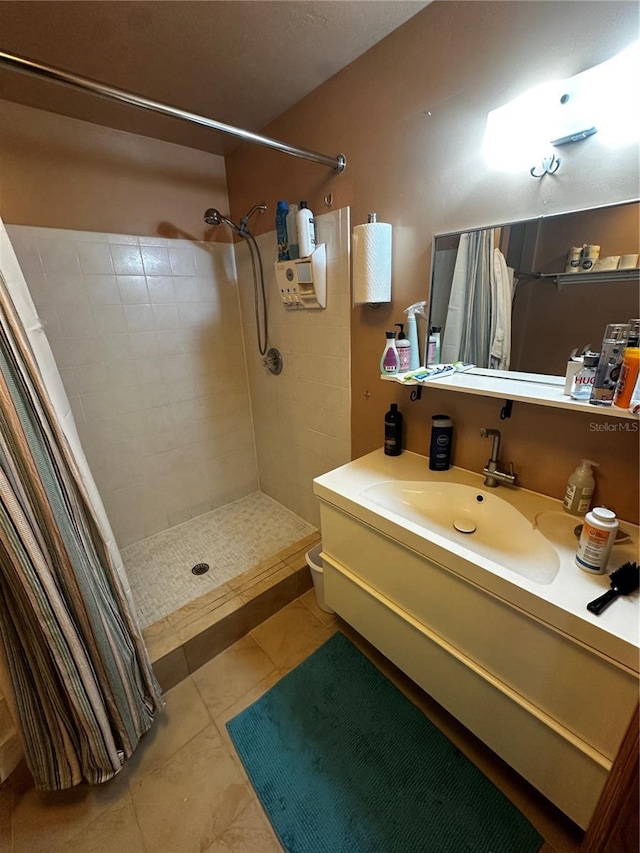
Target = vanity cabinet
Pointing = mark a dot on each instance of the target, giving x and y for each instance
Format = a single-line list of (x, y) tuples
[(553, 707)]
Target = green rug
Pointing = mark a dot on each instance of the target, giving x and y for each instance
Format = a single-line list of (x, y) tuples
[(344, 763)]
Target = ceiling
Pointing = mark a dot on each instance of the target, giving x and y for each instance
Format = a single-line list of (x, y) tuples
[(241, 62)]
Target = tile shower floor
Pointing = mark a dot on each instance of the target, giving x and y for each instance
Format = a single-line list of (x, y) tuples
[(231, 539)]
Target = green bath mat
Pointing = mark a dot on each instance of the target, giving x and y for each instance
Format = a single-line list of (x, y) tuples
[(343, 763)]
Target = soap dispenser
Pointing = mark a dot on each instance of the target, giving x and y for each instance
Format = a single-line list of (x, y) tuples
[(403, 348), (580, 486)]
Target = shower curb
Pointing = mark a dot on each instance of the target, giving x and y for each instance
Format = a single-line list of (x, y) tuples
[(184, 641)]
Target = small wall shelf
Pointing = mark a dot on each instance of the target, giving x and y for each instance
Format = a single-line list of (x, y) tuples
[(562, 278), (537, 389)]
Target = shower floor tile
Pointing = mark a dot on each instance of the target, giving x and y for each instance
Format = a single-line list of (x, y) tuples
[(231, 539)]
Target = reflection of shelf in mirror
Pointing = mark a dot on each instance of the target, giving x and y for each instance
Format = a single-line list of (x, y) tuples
[(539, 390), (561, 278)]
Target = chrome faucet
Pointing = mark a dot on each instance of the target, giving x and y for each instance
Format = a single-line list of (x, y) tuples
[(493, 476)]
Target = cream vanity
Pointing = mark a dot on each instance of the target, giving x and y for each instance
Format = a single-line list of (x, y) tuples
[(474, 594)]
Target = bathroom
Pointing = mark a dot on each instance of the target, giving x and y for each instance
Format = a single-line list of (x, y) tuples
[(416, 160)]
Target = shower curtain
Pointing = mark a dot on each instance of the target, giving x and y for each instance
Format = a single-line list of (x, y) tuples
[(478, 324), (83, 690)]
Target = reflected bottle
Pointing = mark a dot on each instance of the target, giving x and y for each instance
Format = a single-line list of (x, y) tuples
[(582, 384), (608, 372)]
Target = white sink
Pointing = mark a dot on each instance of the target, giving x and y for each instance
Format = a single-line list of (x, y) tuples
[(475, 518)]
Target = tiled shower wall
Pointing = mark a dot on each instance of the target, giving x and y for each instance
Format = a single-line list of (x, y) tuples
[(147, 336), (301, 418)]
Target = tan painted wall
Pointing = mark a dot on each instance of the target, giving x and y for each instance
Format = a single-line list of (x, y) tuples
[(409, 116), (59, 172)]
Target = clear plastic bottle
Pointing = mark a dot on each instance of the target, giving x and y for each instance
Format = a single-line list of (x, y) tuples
[(292, 232), (390, 363), (582, 384), (596, 540), (608, 372), (580, 486)]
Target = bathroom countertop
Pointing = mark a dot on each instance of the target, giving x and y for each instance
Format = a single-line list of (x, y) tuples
[(560, 603)]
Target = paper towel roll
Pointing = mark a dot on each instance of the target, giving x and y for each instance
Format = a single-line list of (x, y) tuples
[(372, 263)]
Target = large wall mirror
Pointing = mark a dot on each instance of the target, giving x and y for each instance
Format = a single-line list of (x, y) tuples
[(502, 299)]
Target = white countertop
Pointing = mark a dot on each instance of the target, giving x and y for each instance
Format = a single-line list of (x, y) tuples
[(561, 603)]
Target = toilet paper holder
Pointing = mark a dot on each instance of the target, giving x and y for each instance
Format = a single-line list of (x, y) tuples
[(303, 283)]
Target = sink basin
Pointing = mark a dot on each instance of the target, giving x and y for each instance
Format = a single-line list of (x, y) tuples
[(475, 518)]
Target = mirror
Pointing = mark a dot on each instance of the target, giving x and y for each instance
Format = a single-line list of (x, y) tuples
[(543, 313)]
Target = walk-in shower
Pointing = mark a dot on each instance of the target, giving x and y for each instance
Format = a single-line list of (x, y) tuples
[(272, 357)]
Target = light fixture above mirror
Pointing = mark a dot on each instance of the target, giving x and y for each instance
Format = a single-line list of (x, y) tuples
[(556, 113)]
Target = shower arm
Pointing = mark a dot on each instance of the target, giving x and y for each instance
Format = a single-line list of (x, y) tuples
[(58, 75)]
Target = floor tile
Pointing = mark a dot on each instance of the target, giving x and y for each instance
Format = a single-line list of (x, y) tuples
[(231, 539), (311, 603), (250, 832), (189, 802), (183, 717), (115, 830), (43, 821), (291, 635), (230, 675)]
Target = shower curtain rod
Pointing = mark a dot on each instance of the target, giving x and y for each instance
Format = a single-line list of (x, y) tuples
[(58, 75)]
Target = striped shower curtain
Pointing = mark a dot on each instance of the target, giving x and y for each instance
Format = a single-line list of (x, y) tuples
[(84, 691)]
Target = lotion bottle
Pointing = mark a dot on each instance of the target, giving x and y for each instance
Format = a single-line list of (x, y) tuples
[(306, 231), (596, 540), (404, 349), (390, 363), (580, 486)]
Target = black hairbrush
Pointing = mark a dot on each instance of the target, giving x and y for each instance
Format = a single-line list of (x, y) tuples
[(624, 581)]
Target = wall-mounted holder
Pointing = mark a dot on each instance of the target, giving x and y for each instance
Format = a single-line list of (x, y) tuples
[(303, 283)]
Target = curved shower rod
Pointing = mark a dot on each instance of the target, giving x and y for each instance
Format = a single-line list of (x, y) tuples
[(58, 75)]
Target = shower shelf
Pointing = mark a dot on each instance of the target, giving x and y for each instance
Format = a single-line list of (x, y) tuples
[(537, 389)]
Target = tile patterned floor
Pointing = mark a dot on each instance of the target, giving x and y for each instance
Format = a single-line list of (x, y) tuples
[(231, 539), (185, 789)]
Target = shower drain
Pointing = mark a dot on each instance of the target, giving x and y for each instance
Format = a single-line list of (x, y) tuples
[(200, 568)]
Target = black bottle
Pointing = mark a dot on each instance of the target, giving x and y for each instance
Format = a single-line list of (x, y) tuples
[(440, 447), (393, 431)]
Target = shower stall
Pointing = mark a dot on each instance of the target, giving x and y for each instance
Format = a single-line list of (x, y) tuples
[(202, 442), (201, 455)]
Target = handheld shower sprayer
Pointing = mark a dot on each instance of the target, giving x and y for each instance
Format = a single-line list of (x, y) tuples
[(214, 217)]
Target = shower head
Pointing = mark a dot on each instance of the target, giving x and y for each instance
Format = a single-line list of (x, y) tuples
[(214, 217)]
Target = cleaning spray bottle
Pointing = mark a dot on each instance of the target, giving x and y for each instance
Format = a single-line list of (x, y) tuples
[(412, 331), (580, 486)]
